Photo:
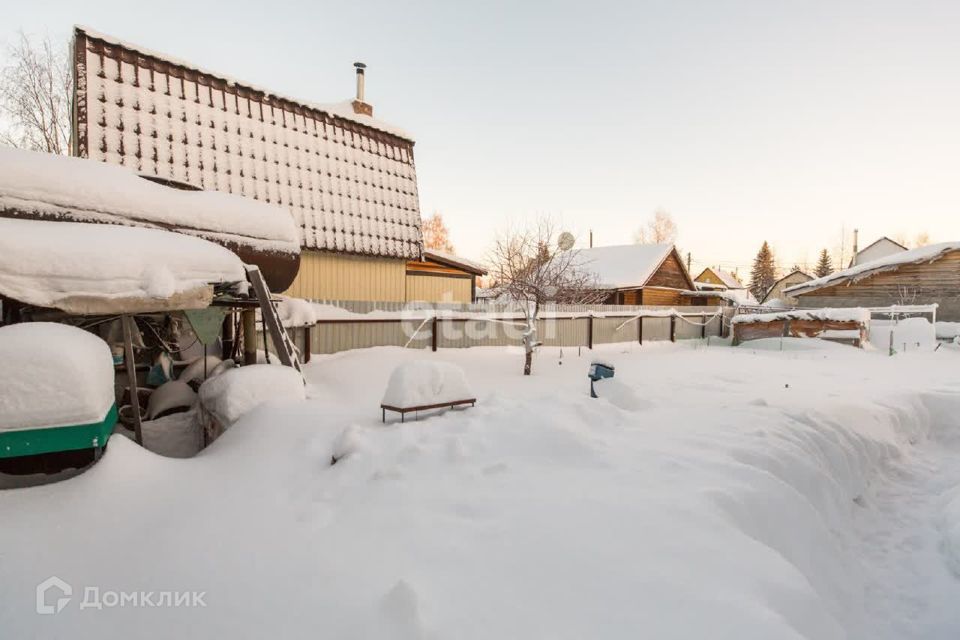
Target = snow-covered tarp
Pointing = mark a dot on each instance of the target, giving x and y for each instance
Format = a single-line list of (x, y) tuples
[(53, 375), (928, 253), (426, 382), (97, 268), (831, 315), (65, 188), (235, 392)]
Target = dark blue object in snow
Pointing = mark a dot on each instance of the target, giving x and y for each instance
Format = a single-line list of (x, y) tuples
[(599, 371)]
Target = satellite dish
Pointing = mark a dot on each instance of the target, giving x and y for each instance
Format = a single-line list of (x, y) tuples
[(565, 241)]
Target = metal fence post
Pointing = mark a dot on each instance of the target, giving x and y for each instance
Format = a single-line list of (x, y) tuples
[(434, 331), (590, 332), (673, 328)]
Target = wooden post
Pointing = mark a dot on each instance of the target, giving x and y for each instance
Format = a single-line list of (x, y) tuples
[(307, 343), (590, 332), (433, 338), (248, 317), (673, 328), (131, 366)]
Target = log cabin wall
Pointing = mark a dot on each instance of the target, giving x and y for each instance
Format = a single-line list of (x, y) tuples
[(925, 283)]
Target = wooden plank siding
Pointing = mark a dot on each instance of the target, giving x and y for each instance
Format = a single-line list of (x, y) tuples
[(670, 274), (924, 283)]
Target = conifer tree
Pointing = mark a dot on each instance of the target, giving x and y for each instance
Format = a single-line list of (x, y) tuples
[(824, 265), (763, 275)]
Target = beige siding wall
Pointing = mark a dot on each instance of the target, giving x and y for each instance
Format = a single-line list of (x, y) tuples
[(332, 276), (439, 289)]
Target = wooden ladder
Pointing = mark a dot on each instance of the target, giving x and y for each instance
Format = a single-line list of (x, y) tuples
[(286, 350)]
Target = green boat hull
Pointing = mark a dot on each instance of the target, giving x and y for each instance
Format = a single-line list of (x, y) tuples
[(31, 442)]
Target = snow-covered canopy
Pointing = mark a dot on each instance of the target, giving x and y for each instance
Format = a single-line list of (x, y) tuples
[(50, 186), (455, 261), (623, 266), (727, 279), (892, 262), (733, 296), (98, 268), (53, 375)]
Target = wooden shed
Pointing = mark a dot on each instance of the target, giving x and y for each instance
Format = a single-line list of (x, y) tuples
[(650, 274), (928, 275)]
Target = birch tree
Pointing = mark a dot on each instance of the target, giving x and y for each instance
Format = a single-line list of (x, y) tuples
[(36, 85)]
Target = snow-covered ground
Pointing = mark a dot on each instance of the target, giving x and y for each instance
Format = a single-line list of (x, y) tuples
[(711, 492)]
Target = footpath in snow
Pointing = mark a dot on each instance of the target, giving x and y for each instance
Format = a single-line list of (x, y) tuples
[(711, 492)]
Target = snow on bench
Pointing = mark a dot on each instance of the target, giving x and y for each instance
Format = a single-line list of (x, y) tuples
[(422, 385)]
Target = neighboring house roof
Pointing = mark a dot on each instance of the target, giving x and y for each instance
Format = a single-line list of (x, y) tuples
[(627, 266), (883, 239), (795, 272), (728, 279), (349, 180), (455, 261), (928, 253)]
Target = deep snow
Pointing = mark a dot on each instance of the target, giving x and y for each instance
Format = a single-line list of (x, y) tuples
[(713, 492)]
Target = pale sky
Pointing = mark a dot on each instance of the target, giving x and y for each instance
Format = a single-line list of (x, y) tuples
[(747, 120)]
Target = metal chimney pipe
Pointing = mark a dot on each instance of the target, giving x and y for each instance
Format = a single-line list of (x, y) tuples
[(360, 67), (856, 232)]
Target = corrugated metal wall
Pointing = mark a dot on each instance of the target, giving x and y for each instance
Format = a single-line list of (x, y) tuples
[(567, 332), (437, 288), (341, 276)]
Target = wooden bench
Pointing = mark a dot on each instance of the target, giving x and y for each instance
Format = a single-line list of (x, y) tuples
[(403, 411)]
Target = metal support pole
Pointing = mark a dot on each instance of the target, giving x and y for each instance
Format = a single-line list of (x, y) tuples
[(590, 332), (131, 365), (640, 329), (673, 328), (434, 331), (307, 343)]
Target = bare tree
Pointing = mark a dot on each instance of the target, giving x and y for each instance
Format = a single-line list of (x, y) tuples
[(531, 268), (35, 89), (922, 240), (658, 230)]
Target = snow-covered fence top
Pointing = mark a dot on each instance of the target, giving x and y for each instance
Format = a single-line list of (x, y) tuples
[(53, 375), (97, 268), (49, 186), (835, 315)]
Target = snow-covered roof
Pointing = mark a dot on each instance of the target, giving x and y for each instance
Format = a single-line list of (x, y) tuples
[(348, 180), (97, 268), (53, 375), (455, 261), (879, 248), (623, 266), (728, 279), (835, 315), (889, 263), (44, 185)]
